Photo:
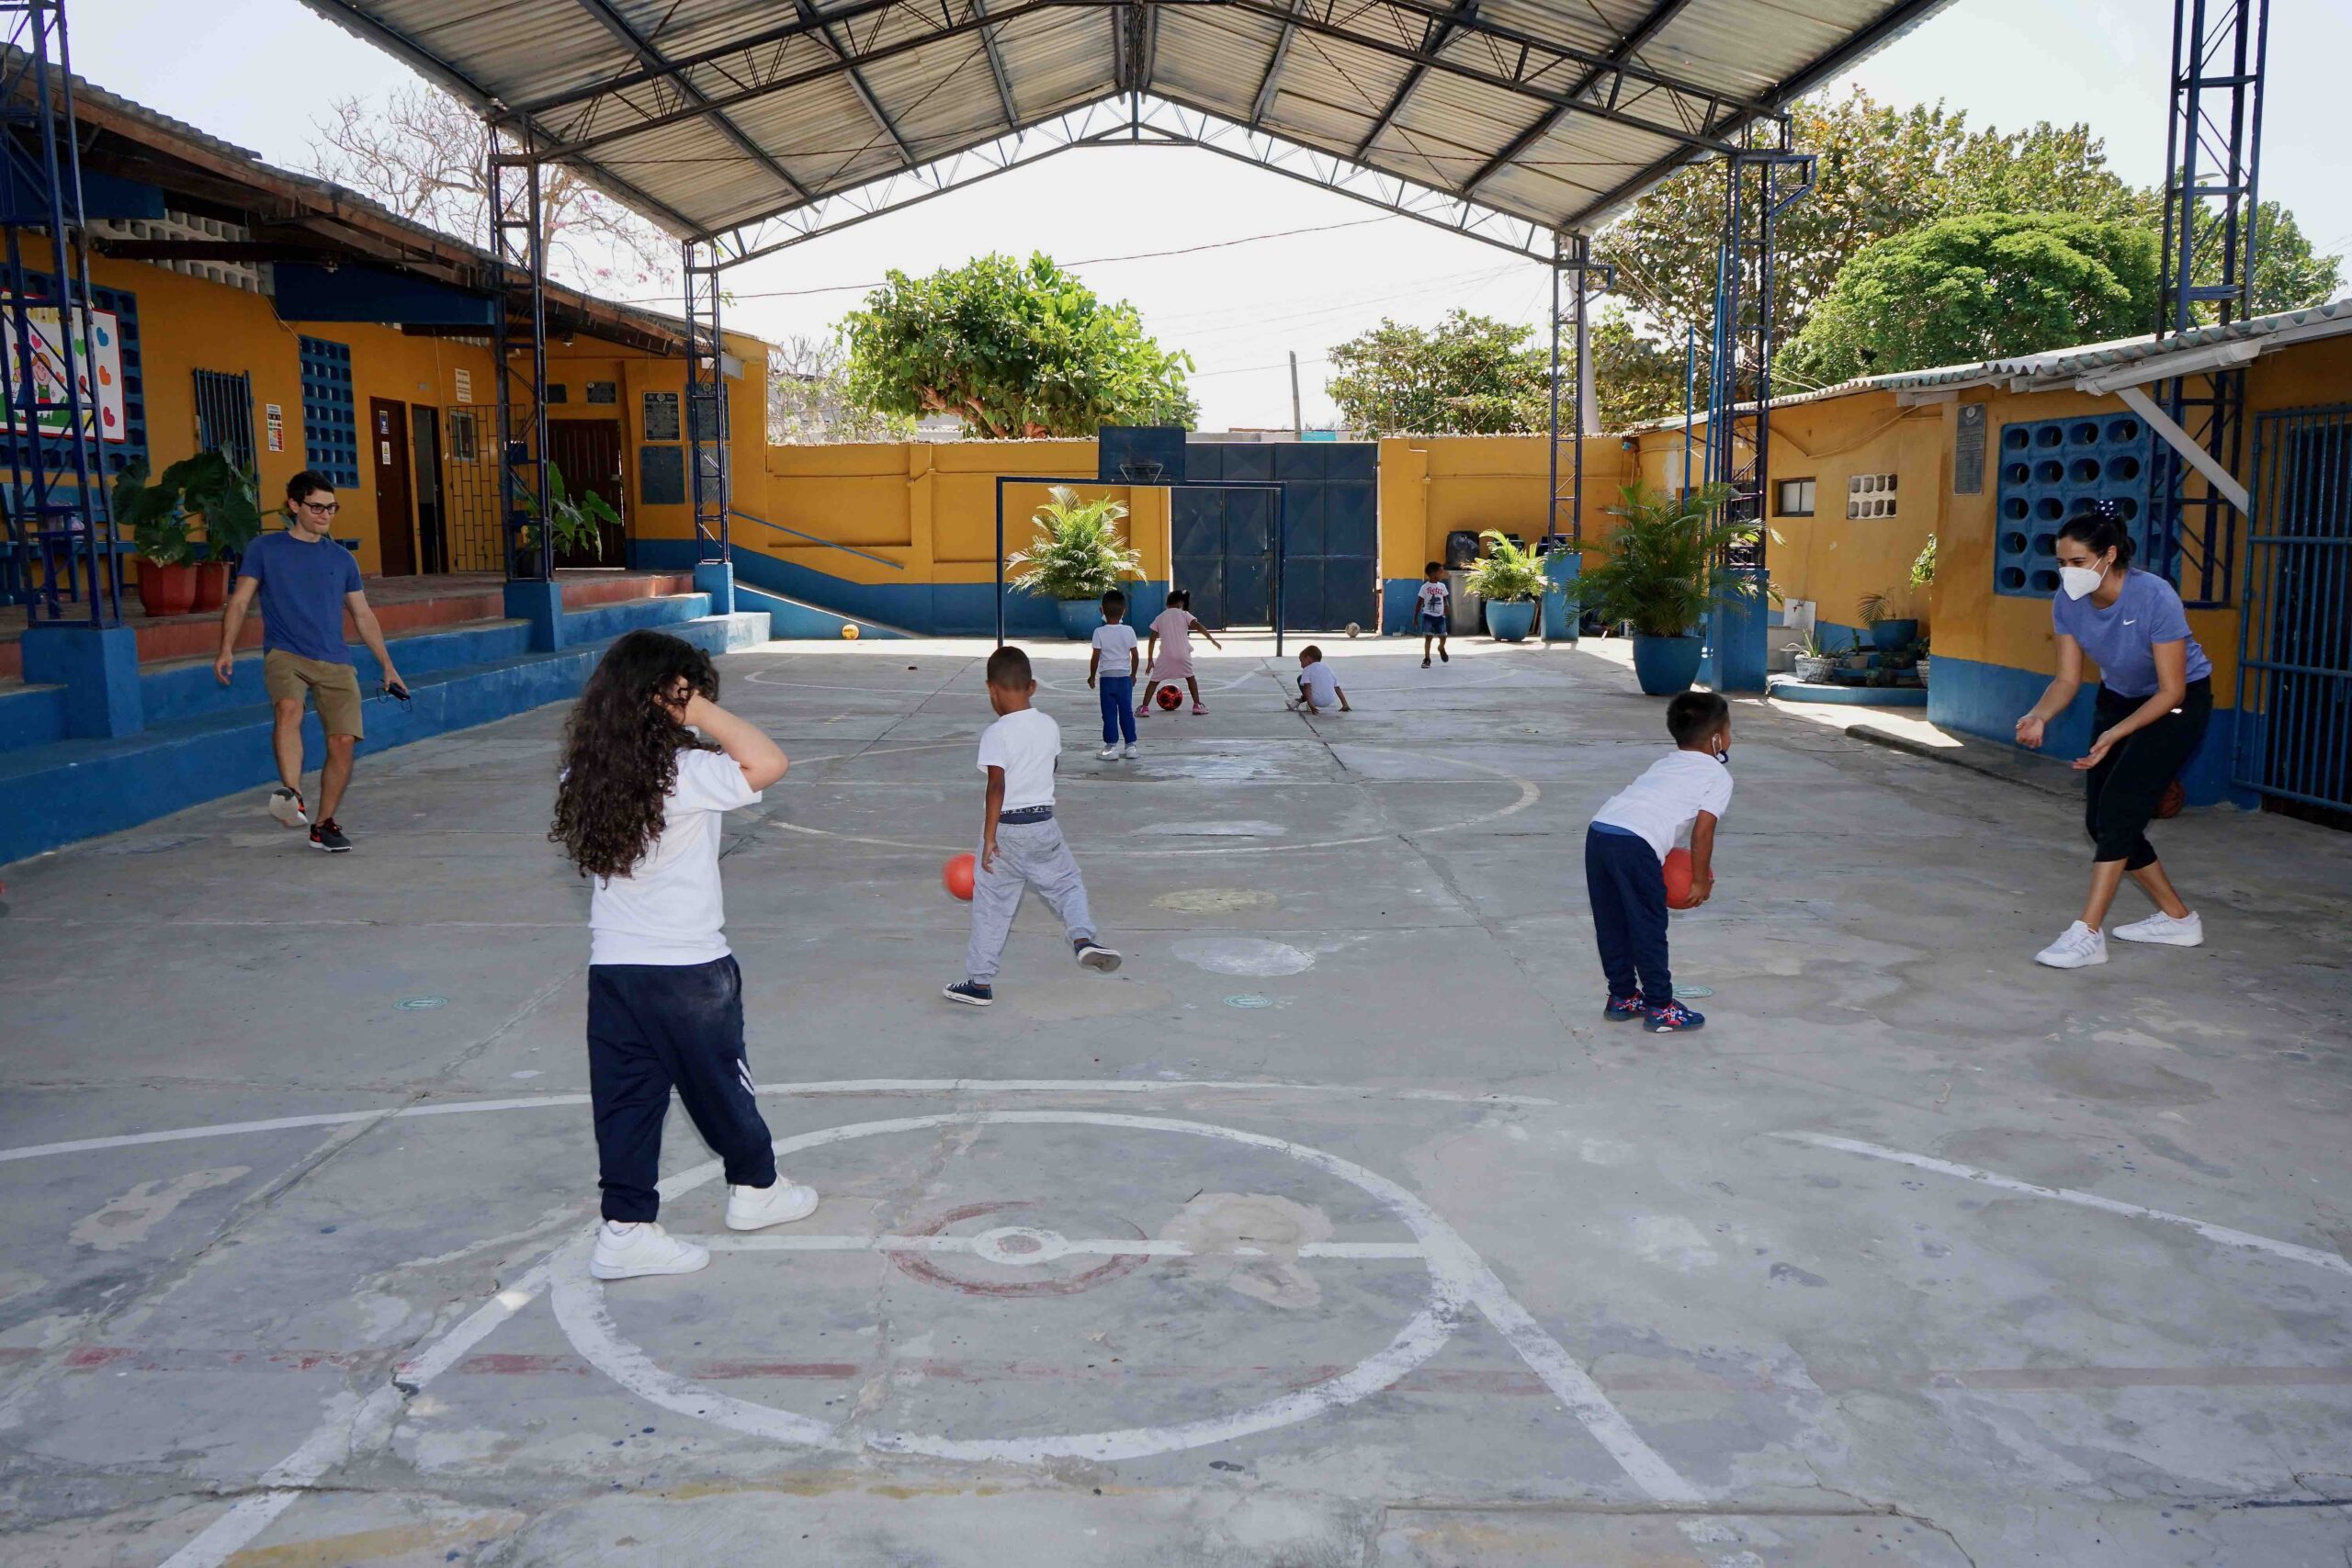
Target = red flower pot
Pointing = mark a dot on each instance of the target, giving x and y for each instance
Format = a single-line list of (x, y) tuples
[(211, 585), (166, 589)]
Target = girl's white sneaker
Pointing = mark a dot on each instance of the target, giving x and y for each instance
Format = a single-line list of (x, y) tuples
[(644, 1248), (2163, 929), (2079, 948)]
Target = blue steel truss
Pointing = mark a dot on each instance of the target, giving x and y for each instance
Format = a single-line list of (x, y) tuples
[(1739, 388), (59, 523)]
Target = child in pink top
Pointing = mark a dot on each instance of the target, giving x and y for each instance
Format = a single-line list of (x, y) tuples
[(1171, 651)]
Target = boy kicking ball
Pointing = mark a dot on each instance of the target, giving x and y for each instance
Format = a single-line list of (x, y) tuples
[(1021, 845), (1624, 859), (1318, 687)]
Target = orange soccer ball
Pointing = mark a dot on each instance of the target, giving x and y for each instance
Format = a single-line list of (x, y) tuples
[(1677, 879), (957, 876)]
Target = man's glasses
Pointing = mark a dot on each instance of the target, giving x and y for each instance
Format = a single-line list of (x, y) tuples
[(324, 509)]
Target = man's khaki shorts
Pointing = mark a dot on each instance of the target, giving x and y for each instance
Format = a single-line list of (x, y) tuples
[(334, 689)]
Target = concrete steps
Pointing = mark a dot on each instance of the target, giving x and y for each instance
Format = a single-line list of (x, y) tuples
[(57, 793)]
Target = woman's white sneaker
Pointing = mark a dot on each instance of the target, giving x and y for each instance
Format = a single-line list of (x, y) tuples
[(2163, 929), (624, 1253), (756, 1208), (2079, 948)]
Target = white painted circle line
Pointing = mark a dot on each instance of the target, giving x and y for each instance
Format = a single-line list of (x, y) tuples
[(1050, 1245), (1459, 1280)]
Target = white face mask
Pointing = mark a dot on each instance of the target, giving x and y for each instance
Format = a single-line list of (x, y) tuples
[(2078, 581)]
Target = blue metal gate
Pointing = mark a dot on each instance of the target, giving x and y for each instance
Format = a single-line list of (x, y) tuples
[(2294, 740), (1224, 539)]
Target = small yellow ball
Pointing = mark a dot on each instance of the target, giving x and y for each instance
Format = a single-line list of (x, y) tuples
[(849, 632)]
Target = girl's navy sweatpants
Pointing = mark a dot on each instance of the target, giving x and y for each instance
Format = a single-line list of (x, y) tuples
[(1627, 887), (652, 1028)]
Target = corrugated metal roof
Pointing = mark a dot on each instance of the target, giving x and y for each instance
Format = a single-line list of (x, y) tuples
[(1556, 111), (2063, 366)]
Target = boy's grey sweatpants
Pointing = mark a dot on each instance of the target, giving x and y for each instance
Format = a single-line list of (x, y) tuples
[(1028, 854)]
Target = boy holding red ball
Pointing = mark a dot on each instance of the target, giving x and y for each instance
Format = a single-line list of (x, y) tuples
[(1624, 859)]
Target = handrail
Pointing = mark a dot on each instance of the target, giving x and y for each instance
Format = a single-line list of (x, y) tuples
[(829, 544)]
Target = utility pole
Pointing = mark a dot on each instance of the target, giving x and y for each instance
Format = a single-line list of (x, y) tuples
[(1298, 424)]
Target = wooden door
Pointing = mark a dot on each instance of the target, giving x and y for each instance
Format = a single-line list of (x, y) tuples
[(432, 519), (395, 514), (588, 452)]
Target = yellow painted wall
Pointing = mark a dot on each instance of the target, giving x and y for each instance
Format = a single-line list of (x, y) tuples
[(1431, 485), (931, 508)]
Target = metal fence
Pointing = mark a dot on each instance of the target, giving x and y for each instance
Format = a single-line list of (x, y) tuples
[(2295, 654), (224, 415)]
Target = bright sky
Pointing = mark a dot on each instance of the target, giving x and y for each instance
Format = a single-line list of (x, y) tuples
[(259, 71)]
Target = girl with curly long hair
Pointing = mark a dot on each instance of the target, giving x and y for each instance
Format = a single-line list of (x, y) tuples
[(651, 764)]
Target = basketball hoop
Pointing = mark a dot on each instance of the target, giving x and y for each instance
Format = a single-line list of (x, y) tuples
[(1142, 473)]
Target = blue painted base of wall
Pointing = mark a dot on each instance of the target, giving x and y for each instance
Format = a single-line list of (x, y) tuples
[(715, 579), (31, 716), (789, 619), (97, 666), (74, 789), (1398, 597), (1736, 656), (539, 604), (924, 609), (1986, 701)]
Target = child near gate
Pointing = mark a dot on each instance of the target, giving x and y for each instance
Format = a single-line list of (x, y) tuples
[(1111, 667), (1624, 859), (1172, 650), (652, 764), (1021, 845)]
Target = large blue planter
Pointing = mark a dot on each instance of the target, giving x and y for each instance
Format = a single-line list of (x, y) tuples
[(1665, 665), (1079, 617), (1510, 621), (1890, 636)]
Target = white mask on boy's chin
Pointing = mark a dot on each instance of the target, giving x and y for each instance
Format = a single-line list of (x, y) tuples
[(2079, 581)]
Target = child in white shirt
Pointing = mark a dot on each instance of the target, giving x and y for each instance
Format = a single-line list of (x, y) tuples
[(1111, 667), (1428, 608), (1021, 844), (1318, 688), (1624, 859)]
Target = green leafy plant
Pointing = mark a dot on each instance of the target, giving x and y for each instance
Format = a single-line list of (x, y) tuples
[(1665, 565), (574, 523), (1811, 644), (1509, 575), (1923, 565), (1077, 553), (226, 497), (158, 522), (1875, 607)]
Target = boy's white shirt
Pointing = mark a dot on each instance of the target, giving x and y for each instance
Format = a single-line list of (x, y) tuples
[(1662, 803), (1114, 641), (1433, 597), (669, 910), (1025, 744), (1321, 686)]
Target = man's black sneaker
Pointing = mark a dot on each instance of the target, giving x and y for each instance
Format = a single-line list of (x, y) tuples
[(969, 992), (1094, 955), (329, 837), (288, 808)]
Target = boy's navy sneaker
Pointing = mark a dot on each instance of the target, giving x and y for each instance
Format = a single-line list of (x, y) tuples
[(1620, 1008), (1673, 1018), (1094, 955), (970, 992)]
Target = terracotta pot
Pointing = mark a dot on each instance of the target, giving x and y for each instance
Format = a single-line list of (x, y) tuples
[(211, 585), (166, 589)]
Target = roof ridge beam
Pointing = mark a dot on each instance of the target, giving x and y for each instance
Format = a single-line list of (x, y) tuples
[(647, 54), (808, 13), (1621, 52), (1433, 39)]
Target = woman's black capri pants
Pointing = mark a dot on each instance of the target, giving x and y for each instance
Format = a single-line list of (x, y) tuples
[(2120, 796)]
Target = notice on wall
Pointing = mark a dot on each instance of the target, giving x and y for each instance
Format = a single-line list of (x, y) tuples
[(97, 373), (465, 385), (1968, 452), (274, 426)]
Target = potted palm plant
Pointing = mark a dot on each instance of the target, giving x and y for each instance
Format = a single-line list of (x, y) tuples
[(1888, 630), (159, 531), (1663, 569), (1510, 580), (1077, 557)]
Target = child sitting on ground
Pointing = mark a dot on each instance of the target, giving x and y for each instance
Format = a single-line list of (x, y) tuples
[(1624, 859), (1112, 666), (1429, 606), (1021, 845), (1318, 688), (1174, 626), (652, 764)]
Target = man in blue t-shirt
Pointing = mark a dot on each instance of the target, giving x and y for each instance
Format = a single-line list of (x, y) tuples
[(305, 581)]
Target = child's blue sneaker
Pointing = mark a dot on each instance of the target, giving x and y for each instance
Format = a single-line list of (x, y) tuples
[(970, 992), (1620, 1008), (1673, 1018)]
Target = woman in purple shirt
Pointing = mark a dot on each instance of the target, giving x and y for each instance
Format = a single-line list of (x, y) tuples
[(2155, 693)]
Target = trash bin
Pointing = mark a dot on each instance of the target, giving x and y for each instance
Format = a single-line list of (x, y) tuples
[(1461, 549), (1466, 615)]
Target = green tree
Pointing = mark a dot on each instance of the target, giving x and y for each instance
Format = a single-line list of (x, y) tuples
[(1467, 376), (1980, 286), (1015, 348), (2288, 275), (1636, 378)]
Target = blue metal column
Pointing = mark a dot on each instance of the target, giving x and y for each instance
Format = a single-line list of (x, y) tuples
[(518, 246), (708, 456), (58, 507)]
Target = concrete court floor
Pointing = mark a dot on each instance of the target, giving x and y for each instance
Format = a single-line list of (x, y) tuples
[(1336, 1228)]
